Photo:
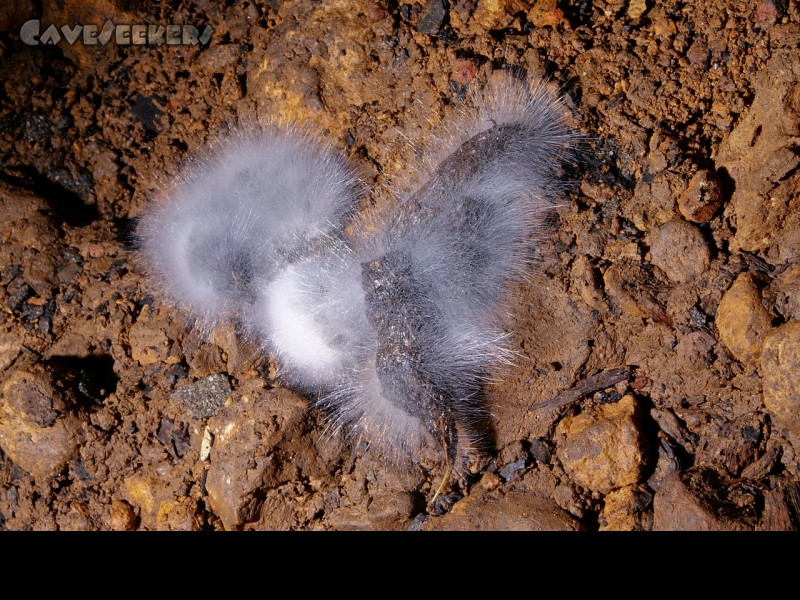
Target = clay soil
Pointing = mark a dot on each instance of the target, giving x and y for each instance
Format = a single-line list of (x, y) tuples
[(654, 386)]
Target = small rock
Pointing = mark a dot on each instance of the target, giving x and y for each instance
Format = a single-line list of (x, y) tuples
[(157, 504), (545, 13), (37, 431), (780, 366), (464, 71), (742, 320), (678, 249), (513, 469), (636, 8), (121, 516), (541, 451), (602, 448), (494, 14), (667, 463), (624, 509), (389, 512), (146, 493), (702, 198), (432, 16), (246, 460), (204, 398), (205, 444), (175, 437), (179, 514), (515, 511), (766, 13)]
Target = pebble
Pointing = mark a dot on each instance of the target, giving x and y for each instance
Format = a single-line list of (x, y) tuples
[(492, 14), (157, 505), (244, 462), (766, 13), (780, 366), (678, 249), (37, 431), (179, 514), (387, 512), (514, 511), (121, 516), (602, 448), (623, 510), (702, 198), (204, 398), (432, 16), (545, 13), (742, 320), (636, 8)]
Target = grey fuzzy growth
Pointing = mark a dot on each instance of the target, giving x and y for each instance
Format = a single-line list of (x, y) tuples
[(400, 309), (393, 327)]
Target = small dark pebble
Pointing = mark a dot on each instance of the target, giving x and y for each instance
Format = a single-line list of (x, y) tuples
[(18, 291), (510, 470), (32, 312), (541, 451), (417, 523), (204, 398), (607, 397), (444, 503), (432, 17)]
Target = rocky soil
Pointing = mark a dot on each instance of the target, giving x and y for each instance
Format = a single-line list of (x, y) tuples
[(658, 338)]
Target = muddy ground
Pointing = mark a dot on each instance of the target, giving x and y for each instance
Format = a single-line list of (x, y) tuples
[(658, 338)]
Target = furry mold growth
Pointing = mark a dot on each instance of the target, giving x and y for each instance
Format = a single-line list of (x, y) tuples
[(393, 328), (396, 331), (437, 272), (235, 216)]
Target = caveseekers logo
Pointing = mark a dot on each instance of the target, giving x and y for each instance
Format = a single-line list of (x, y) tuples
[(125, 35)]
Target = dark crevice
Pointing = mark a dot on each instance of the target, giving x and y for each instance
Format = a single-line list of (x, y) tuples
[(92, 377), (65, 206)]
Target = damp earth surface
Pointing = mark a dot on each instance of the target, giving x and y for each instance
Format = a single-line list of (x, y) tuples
[(657, 338)]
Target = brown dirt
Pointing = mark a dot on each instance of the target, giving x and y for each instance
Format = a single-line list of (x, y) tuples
[(115, 415)]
